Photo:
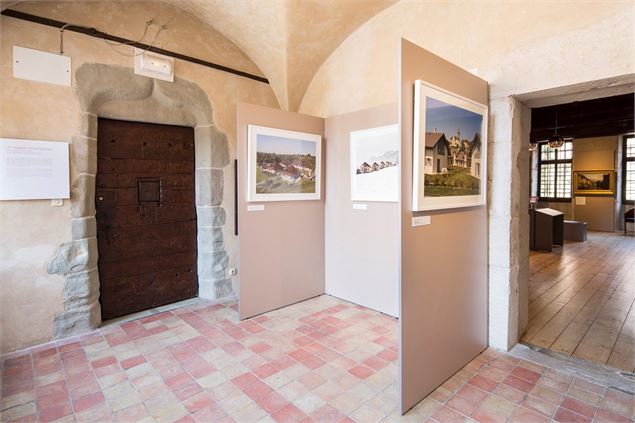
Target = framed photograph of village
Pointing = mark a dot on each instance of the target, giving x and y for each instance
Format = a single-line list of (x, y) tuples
[(375, 164), (283, 165), (450, 150), (594, 182)]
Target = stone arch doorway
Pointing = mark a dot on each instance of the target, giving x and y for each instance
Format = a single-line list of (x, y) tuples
[(117, 93)]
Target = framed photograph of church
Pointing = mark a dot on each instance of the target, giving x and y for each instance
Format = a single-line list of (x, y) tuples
[(283, 165), (449, 150)]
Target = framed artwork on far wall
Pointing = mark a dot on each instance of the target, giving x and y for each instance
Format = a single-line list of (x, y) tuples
[(450, 150), (375, 164), (594, 182), (283, 165)]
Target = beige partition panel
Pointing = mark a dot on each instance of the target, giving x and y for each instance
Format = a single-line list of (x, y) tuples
[(598, 212), (443, 322), (595, 154), (281, 252), (362, 245)]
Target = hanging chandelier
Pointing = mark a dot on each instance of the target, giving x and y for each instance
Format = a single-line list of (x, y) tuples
[(556, 140)]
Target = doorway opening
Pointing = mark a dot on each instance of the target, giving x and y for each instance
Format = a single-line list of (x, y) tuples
[(146, 216), (115, 92), (580, 294)]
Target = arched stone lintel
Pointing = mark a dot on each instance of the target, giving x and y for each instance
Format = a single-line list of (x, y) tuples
[(116, 92)]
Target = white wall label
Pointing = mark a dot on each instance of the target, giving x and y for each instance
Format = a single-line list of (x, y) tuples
[(580, 201), (255, 207), (33, 170), (41, 66), (358, 206), (420, 220)]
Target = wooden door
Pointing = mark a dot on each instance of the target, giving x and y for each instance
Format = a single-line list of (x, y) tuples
[(146, 216)]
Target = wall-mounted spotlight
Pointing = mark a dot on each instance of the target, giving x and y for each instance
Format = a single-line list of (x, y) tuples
[(154, 65)]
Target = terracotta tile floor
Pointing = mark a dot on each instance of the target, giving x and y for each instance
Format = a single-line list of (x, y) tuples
[(581, 300), (322, 360)]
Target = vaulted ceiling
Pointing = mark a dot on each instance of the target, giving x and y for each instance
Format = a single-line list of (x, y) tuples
[(287, 39)]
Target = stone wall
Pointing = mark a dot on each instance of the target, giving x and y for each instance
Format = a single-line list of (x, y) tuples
[(116, 92), (48, 254)]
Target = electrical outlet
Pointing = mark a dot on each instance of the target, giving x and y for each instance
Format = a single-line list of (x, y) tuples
[(232, 272)]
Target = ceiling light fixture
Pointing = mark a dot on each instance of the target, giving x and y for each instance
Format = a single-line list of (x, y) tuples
[(556, 140)]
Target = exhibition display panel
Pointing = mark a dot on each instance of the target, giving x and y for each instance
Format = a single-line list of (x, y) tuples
[(384, 207)]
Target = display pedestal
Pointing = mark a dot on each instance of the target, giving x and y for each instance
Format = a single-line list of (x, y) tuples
[(546, 229)]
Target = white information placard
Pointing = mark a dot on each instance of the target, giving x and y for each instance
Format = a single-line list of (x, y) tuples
[(580, 201), (33, 170), (41, 66)]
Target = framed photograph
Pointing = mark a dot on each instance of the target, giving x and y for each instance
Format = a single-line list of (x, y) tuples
[(375, 164), (594, 182), (450, 150), (283, 165)]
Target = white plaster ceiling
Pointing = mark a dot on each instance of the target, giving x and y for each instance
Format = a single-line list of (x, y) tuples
[(287, 39)]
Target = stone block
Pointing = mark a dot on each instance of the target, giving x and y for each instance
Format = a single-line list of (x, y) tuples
[(223, 288), (147, 110), (212, 149), (77, 321), (186, 95), (214, 289), (75, 256), (81, 289), (499, 240), (500, 118), (209, 187), (212, 264), (210, 216), (83, 196), (84, 227), (499, 309), (97, 84), (88, 125), (84, 155), (210, 239), (500, 182)]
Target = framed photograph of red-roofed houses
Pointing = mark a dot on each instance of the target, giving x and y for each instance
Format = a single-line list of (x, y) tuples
[(450, 150), (283, 165)]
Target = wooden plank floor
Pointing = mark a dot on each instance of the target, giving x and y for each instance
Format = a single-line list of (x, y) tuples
[(581, 300)]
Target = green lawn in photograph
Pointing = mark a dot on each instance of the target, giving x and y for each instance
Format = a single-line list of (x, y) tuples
[(452, 184), (272, 184)]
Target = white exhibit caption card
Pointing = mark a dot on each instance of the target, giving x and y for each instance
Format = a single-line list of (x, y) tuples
[(33, 170), (358, 206), (420, 220), (255, 207)]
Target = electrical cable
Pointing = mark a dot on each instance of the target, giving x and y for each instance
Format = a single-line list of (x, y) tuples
[(93, 32), (113, 45), (62, 37), (148, 24), (145, 32)]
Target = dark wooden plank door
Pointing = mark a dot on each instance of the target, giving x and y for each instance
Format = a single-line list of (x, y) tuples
[(146, 216)]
